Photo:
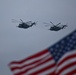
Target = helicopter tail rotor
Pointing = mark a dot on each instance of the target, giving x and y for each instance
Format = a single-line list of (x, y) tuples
[(58, 24), (64, 26), (35, 23)]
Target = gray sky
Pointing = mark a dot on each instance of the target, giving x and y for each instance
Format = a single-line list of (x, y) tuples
[(15, 43)]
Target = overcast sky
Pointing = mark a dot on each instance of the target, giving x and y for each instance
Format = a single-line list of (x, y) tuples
[(15, 43)]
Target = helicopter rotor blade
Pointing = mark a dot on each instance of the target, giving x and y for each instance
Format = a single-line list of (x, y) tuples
[(52, 23), (15, 21), (58, 24), (21, 20), (47, 24)]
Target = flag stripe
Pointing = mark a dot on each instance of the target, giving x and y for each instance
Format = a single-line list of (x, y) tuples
[(49, 71), (72, 72), (53, 73)]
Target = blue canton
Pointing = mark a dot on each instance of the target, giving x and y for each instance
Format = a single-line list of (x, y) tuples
[(66, 44)]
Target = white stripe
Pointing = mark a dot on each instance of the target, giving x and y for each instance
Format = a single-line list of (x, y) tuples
[(42, 66), (65, 63), (30, 66), (51, 70), (30, 60), (66, 55), (68, 70)]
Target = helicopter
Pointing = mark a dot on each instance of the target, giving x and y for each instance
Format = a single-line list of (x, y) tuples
[(56, 27), (24, 25)]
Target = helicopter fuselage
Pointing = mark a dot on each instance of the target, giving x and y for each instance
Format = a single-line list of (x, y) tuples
[(23, 25), (57, 28)]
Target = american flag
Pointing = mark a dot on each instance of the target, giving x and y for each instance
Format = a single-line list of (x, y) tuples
[(58, 59)]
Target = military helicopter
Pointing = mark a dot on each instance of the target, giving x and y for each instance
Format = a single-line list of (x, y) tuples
[(56, 27), (24, 25)]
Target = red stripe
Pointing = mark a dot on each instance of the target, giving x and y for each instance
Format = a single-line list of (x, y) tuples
[(38, 64), (72, 72), (53, 73), (66, 67), (30, 57)]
